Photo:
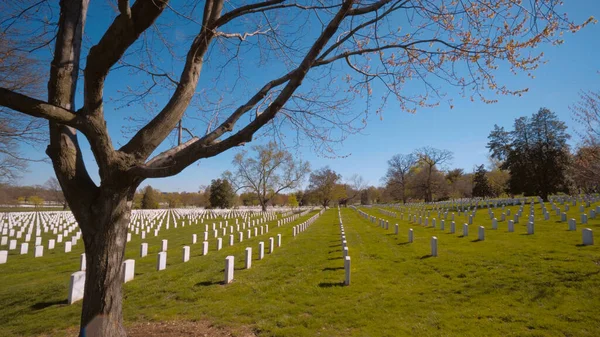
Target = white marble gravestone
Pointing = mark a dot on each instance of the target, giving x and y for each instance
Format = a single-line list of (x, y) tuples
[(261, 250), (186, 253), (219, 243), (128, 270), (434, 246), (161, 263), (229, 261), (410, 235), (82, 262), (164, 245), (530, 228), (76, 287), (587, 237), (465, 230), (39, 251), (24, 248), (143, 249), (3, 256), (204, 247), (68, 247), (248, 257), (481, 233), (347, 270)]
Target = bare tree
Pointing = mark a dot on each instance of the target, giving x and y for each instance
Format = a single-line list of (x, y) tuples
[(431, 159), (459, 43), (396, 177), (53, 186), (272, 171), (18, 72)]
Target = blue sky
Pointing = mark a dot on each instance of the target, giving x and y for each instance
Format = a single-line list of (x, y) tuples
[(571, 67)]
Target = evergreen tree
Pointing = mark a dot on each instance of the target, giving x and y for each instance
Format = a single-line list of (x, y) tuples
[(481, 186), (221, 194), (150, 198), (535, 152)]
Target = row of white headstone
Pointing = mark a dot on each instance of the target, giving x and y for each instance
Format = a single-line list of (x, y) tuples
[(77, 281), (346, 254)]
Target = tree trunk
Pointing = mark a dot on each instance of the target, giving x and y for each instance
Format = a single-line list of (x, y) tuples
[(264, 206), (105, 239)]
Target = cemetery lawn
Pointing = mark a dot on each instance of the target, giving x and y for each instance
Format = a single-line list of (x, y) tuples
[(545, 284)]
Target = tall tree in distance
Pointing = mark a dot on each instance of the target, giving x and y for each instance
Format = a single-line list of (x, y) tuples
[(271, 171), (149, 198), (481, 186), (430, 159), (397, 174), (535, 152), (54, 188), (358, 43), (221, 194), (324, 182)]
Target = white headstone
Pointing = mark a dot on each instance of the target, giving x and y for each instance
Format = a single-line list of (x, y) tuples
[(278, 240), (434, 250), (164, 245), (82, 262), (24, 248), (219, 243), (128, 270), (465, 230), (410, 235), (229, 261), (248, 257), (186, 253), (161, 263), (261, 250), (511, 226), (143, 249), (3, 256), (76, 287), (67, 246), (587, 236), (347, 270), (204, 247), (530, 228), (39, 251)]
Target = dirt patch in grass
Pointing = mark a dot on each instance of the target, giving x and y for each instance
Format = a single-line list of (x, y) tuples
[(169, 329), (184, 328)]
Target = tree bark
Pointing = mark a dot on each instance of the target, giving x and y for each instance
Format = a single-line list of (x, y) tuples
[(105, 239)]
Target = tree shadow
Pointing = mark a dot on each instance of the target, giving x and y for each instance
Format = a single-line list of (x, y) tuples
[(331, 284), (208, 283), (44, 305), (332, 268)]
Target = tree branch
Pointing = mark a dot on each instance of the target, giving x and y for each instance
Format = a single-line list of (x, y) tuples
[(36, 108)]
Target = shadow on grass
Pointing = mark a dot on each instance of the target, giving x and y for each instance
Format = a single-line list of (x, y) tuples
[(403, 243), (476, 240), (334, 251), (335, 258), (333, 246), (208, 283), (332, 268), (425, 256), (331, 284), (44, 305)]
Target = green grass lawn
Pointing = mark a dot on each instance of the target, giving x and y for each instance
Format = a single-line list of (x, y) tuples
[(545, 284)]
